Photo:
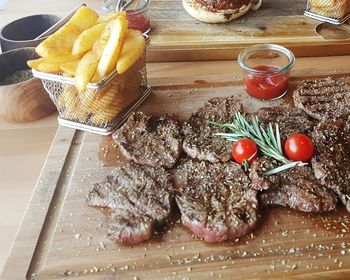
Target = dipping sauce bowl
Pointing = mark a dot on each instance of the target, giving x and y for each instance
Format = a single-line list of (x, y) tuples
[(137, 13), (266, 70)]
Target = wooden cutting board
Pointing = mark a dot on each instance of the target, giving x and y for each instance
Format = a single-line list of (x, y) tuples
[(175, 36), (62, 238)]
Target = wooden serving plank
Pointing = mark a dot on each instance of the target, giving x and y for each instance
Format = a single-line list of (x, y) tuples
[(176, 36), (62, 238)]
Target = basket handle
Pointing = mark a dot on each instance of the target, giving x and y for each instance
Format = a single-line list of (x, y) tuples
[(256, 4)]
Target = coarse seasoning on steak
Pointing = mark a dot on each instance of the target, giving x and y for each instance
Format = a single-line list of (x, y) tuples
[(296, 188), (216, 200), (331, 162), (289, 119), (140, 197), (199, 139), (323, 99), (150, 140)]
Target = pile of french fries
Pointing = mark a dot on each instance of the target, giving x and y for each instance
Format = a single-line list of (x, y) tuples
[(89, 47)]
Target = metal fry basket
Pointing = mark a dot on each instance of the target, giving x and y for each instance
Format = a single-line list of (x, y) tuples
[(332, 11), (103, 106)]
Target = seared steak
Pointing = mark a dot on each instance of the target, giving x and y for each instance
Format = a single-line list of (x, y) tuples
[(140, 197), (150, 140), (331, 162), (216, 200), (323, 99), (129, 227), (296, 188), (290, 120), (199, 141)]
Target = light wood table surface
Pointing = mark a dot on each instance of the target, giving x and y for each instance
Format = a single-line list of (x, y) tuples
[(23, 147)]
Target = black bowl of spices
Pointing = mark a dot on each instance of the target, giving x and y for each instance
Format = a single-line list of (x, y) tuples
[(22, 97)]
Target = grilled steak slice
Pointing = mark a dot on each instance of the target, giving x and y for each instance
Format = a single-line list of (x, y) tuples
[(296, 188), (129, 227), (331, 162), (140, 197), (290, 120), (199, 141), (150, 140), (216, 200), (323, 99)]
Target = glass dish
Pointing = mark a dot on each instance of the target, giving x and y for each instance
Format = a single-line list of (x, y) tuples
[(137, 12), (266, 70)]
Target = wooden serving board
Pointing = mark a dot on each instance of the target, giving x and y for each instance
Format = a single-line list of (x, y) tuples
[(62, 238), (176, 36)]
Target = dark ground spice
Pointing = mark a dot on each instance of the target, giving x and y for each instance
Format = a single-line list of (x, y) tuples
[(17, 77)]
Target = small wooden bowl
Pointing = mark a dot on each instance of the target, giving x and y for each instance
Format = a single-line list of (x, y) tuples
[(24, 101)]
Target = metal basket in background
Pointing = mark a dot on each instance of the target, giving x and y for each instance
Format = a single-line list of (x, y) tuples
[(332, 11), (103, 106)]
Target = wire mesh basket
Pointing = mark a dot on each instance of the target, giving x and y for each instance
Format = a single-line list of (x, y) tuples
[(332, 11), (103, 106)]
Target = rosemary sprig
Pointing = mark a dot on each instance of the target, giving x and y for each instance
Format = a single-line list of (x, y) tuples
[(268, 140)]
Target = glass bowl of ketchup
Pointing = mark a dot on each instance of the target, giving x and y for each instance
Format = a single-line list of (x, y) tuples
[(266, 70), (137, 13)]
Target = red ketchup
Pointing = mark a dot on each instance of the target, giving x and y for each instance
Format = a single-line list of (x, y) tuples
[(268, 84), (138, 21)]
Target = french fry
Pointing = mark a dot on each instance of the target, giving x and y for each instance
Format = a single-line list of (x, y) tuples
[(66, 102), (93, 58), (69, 104), (105, 106), (84, 18), (52, 64), (70, 67), (99, 46), (35, 63), (109, 17), (91, 98), (87, 38), (103, 117), (66, 74), (110, 101), (133, 48), (62, 40), (101, 43), (49, 68), (60, 103), (113, 47), (85, 70)]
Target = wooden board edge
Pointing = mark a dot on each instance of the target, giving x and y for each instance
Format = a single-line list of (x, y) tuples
[(231, 52), (199, 81), (28, 234)]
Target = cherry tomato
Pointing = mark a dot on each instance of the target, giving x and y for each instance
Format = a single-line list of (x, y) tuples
[(299, 147), (244, 149)]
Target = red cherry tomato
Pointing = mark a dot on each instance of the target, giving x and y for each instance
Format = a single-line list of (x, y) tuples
[(299, 147), (244, 149)]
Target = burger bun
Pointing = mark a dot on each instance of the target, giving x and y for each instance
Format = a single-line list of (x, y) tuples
[(199, 12)]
